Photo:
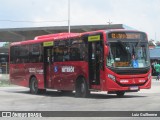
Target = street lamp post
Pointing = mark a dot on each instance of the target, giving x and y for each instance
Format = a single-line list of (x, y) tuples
[(69, 28), (109, 22)]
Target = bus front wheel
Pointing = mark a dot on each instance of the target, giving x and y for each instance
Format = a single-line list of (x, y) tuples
[(81, 88), (34, 86)]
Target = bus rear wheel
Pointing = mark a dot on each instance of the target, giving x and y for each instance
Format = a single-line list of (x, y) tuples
[(34, 86), (120, 94), (81, 88)]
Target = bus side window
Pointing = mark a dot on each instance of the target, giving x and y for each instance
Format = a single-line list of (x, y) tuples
[(35, 53), (12, 57), (66, 56), (75, 54), (79, 52), (16, 54), (58, 54)]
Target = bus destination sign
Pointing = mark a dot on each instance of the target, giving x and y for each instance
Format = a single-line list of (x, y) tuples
[(124, 35)]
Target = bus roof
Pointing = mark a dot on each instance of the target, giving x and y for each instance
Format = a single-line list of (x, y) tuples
[(49, 37), (59, 36)]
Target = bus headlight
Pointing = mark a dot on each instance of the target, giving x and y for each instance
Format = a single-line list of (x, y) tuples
[(112, 77)]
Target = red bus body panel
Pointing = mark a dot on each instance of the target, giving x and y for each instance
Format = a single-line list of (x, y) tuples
[(20, 74), (142, 81), (65, 80)]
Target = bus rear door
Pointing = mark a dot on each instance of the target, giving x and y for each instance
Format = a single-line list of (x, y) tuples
[(94, 58), (52, 70), (48, 64)]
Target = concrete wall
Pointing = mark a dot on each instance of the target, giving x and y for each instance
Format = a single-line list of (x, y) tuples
[(4, 77)]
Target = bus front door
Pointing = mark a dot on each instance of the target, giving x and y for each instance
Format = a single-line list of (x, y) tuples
[(94, 62), (48, 65)]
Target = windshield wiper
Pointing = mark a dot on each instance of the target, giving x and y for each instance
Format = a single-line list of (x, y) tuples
[(123, 46), (110, 51)]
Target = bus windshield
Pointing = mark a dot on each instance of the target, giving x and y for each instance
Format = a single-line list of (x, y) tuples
[(128, 54)]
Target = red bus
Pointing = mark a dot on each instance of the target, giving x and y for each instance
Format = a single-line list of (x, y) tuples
[(116, 61)]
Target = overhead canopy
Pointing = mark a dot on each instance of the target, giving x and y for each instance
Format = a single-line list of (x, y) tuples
[(155, 53), (21, 34)]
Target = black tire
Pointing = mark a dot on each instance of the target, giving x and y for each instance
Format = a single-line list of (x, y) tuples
[(34, 86), (120, 94), (81, 88)]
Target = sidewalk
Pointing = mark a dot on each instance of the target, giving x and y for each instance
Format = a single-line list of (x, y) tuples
[(154, 80)]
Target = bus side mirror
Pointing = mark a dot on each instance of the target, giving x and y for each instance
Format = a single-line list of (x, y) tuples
[(106, 50)]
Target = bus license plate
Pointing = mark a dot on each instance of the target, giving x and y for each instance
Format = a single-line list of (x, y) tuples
[(134, 88)]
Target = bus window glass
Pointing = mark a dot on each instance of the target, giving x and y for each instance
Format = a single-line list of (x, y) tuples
[(77, 51), (35, 53), (58, 54), (12, 55), (128, 50), (24, 52), (128, 54), (16, 54)]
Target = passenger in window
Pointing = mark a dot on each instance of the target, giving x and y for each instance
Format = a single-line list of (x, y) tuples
[(66, 56), (134, 62)]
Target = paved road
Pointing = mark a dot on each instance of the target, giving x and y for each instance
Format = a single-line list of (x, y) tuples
[(19, 99)]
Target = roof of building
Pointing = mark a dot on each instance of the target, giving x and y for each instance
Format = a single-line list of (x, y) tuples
[(21, 34)]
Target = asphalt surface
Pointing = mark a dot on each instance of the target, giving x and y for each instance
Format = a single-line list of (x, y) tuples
[(17, 98)]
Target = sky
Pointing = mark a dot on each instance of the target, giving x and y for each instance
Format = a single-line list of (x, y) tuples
[(143, 15)]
